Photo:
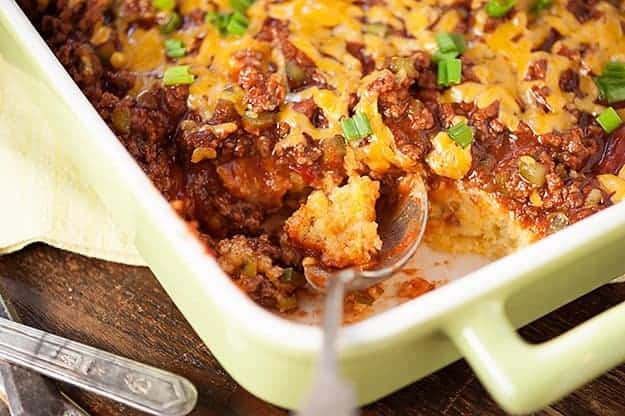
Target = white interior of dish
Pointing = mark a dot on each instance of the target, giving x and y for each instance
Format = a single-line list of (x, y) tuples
[(434, 266), (389, 321)]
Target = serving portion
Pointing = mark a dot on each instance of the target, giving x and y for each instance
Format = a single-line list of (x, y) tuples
[(274, 128)]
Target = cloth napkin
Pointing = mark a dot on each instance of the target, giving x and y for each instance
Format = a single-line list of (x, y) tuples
[(41, 197)]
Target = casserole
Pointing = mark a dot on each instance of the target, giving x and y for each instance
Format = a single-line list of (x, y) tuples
[(382, 353)]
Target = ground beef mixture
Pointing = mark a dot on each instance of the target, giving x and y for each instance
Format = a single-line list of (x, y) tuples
[(251, 149)]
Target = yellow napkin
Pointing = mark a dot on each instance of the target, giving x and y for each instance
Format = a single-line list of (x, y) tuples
[(41, 197)]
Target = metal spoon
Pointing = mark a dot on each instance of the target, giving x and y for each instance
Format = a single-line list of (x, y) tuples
[(402, 220), (137, 385)]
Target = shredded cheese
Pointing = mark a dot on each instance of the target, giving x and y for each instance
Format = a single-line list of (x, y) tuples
[(499, 58)]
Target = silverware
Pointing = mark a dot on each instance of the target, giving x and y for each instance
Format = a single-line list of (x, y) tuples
[(28, 393), (402, 222), (137, 385)]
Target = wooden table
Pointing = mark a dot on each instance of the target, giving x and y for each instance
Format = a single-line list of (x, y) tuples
[(124, 310)]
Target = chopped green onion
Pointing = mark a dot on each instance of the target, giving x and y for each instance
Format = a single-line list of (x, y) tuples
[(174, 48), (443, 56), (377, 29), (540, 5), (614, 69), (166, 5), (219, 20), (609, 120), (613, 91), (237, 24), (172, 24), (241, 5), (615, 94), (177, 75), (499, 8), (461, 134), (350, 131), (356, 127), (176, 53), (234, 23), (451, 42), (173, 44), (449, 72), (362, 124), (611, 82)]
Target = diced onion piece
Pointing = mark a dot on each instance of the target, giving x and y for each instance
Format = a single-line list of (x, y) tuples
[(447, 158), (535, 199), (594, 198), (201, 153), (377, 29), (293, 277), (613, 185), (100, 35), (404, 66), (250, 268), (363, 297), (557, 221), (120, 118), (286, 303), (254, 122), (224, 129), (532, 171)]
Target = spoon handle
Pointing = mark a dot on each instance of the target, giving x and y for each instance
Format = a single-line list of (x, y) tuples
[(146, 388), (330, 393)]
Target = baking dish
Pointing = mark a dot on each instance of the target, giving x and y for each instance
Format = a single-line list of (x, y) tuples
[(272, 357)]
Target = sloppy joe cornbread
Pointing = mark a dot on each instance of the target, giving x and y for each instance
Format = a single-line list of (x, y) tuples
[(273, 127)]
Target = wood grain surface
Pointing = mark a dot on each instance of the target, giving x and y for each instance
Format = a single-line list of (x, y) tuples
[(124, 310)]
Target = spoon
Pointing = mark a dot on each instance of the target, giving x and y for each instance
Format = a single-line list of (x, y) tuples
[(402, 217)]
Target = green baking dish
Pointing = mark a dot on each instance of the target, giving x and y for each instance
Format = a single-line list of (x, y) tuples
[(273, 358)]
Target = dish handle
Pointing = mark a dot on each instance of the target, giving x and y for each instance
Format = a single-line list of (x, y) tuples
[(525, 377)]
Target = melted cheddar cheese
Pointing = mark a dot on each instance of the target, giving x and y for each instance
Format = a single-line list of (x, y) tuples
[(499, 58)]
